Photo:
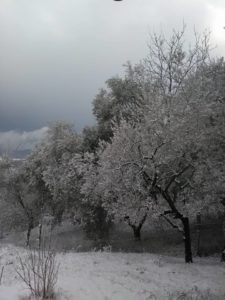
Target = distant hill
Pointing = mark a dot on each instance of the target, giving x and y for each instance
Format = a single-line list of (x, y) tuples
[(20, 154), (16, 154)]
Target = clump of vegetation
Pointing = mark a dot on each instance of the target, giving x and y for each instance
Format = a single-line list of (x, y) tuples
[(195, 294), (39, 271)]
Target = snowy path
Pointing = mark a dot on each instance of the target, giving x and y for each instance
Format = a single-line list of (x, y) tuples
[(119, 276)]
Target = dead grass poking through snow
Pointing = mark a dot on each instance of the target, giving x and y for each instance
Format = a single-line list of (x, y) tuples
[(195, 294)]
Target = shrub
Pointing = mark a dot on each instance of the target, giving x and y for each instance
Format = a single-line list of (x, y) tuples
[(96, 222), (39, 271)]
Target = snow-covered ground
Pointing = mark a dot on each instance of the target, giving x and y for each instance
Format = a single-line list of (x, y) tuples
[(105, 275)]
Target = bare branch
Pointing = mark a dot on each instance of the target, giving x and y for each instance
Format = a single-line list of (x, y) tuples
[(175, 176)]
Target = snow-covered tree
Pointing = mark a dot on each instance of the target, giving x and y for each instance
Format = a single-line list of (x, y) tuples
[(123, 98), (24, 196), (90, 139), (96, 220), (121, 185), (170, 160), (10, 214), (143, 168), (171, 61), (210, 81), (50, 160)]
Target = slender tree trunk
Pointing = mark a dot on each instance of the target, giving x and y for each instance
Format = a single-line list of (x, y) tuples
[(223, 252), (30, 227), (187, 240), (198, 219), (40, 235)]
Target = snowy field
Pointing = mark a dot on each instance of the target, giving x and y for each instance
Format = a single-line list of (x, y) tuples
[(106, 275)]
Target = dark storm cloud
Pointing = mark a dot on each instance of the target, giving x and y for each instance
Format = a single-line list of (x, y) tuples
[(55, 54)]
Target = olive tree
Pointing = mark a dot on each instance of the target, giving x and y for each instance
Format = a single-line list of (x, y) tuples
[(50, 160), (155, 157)]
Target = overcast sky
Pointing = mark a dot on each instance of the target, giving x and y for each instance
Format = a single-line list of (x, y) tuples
[(56, 54)]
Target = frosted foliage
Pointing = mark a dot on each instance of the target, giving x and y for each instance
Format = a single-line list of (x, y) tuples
[(120, 183), (57, 165), (173, 150)]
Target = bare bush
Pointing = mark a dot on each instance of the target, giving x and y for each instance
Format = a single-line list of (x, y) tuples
[(39, 271)]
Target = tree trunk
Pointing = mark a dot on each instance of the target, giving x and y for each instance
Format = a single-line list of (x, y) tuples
[(30, 227), (136, 228), (223, 255), (137, 232), (40, 236), (187, 240), (28, 235), (223, 252), (198, 219)]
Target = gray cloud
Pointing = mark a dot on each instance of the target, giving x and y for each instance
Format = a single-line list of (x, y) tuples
[(11, 141), (55, 54)]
